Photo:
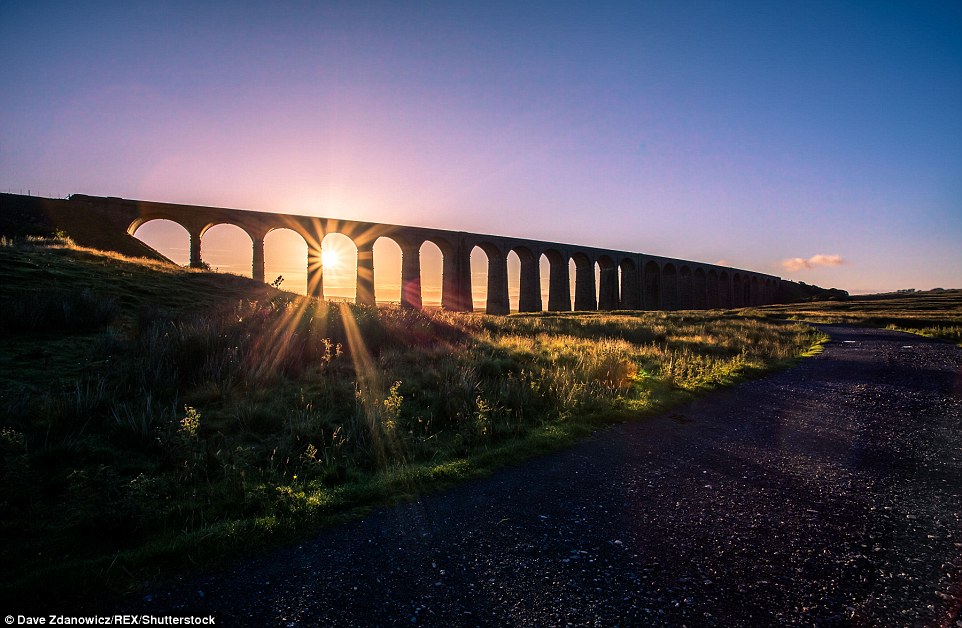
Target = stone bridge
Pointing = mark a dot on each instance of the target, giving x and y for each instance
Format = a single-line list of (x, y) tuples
[(645, 282)]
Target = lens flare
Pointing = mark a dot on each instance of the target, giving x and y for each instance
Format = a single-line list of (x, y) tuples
[(330, 258)]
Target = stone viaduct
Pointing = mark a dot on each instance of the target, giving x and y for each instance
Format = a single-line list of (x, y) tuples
[(645, 282)]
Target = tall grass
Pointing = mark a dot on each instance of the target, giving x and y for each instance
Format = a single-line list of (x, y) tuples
[(271, 413)]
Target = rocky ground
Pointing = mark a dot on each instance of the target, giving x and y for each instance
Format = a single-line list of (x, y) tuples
[(828, 494)]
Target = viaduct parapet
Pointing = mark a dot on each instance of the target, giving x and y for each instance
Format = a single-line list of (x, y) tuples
[(647, 282)]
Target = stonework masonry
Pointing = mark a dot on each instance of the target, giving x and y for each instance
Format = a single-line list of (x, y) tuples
[(648, 282)]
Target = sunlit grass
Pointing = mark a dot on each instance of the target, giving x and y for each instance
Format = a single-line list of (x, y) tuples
[(200, 412)]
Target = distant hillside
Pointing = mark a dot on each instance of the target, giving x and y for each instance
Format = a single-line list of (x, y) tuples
[(22, 216), (799, 292)]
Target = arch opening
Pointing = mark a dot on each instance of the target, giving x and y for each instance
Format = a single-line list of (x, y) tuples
[(514, 281), (495, 288), (284, 253), (479, 279), (432, 263), (387, 271), (544, 272), (169, 238), (227, 248), (339, 267), (585, 282)]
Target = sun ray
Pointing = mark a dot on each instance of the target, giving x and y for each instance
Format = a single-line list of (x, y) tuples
[(330, 257)]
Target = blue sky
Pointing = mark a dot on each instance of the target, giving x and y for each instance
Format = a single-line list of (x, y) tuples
[(750, 132)]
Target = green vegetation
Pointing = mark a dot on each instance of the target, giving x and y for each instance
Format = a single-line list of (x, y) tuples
[(935, 313), (155, 418)]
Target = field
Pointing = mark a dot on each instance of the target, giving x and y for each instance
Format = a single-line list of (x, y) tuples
[(936, 314), (157, 419)]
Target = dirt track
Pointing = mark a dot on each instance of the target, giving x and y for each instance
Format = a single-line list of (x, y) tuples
[(830, 493)]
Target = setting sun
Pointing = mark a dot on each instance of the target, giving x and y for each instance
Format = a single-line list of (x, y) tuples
[(330, 258)]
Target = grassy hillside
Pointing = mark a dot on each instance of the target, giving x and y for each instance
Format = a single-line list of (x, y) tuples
[(936, 314), (153, 419)]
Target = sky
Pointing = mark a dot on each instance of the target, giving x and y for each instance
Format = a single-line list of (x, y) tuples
[(818, 141)]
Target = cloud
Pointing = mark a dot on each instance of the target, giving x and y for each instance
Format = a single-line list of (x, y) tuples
[(797, 263)]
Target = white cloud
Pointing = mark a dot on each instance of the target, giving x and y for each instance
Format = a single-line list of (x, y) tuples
[(797, 263)]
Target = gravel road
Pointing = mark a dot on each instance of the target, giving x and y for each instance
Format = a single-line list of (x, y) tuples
[(828, 494)]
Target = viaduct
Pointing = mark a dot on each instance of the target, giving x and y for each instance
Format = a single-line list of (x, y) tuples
[(645, 282)]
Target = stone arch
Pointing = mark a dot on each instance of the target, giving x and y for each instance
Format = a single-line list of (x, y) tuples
[(584, 282), (529, 279), (738, 295), (338, 267), (608, 298), (700, 297), (285, 250), (218, 223), (724, 290), (630, 289), (751, 293), (455, 268), (669, 290), (387, 259), (222, 243), (714, 297), (494, 278), (167, 236), (559, 281), (686, 297), (652, 293), (143, 219)]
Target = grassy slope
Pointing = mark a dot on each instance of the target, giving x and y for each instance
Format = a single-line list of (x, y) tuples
[(155, 418), (936, 314)]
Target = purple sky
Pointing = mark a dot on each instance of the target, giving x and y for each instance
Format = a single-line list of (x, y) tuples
[(828, 134)]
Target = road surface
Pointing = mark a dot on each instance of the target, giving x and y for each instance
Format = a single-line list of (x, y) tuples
[(830, 493)]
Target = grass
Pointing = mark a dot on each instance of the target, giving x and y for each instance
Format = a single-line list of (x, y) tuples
[(155, 419), (934, 314)]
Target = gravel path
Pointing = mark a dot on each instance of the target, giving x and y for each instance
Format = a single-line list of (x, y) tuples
[(827, 494)]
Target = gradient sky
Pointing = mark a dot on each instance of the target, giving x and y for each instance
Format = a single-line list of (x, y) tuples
[(818, 141)]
